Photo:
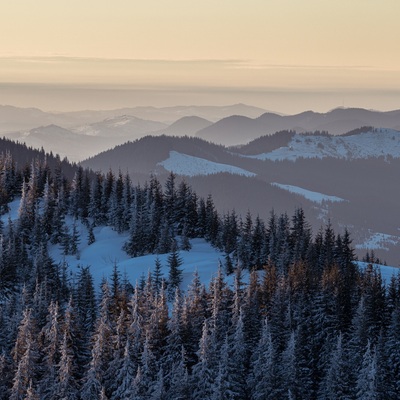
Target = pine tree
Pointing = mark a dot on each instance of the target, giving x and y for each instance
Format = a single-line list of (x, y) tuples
[(367, 376), (66, 387), (125, 376), (27, 371), (101, 349), (264, 378), (287, 368), (236, 363), (51, 334), (157, 275), (179, 388), (205, 371), (158, 390), (31, 393), (91, 238), (335, 384), (74, 241), (175, 273)]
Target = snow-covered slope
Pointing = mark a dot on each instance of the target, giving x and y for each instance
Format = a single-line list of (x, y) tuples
[(308, 194), (107, 251), (378, 240), (184, 164), (386, 271), (382, 142)]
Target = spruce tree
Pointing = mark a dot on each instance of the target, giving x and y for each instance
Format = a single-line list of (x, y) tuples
[(175, 272)]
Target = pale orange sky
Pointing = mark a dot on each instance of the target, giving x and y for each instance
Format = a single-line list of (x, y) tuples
[(272, 45)]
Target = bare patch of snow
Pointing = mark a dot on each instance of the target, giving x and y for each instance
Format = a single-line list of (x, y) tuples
[(308, 194), (184, 164), (382, 142), (13, 208), (107, 251), (379, 240), (386, 271)]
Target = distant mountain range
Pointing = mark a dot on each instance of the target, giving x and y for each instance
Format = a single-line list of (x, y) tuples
[(230, 125), (236, 129), (17, 119)]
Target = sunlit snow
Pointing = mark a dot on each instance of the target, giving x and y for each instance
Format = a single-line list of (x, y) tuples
[(184, 164)]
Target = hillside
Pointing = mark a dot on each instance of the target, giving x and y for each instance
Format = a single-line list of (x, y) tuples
[(307, 167), (236, 130), (372, 143)]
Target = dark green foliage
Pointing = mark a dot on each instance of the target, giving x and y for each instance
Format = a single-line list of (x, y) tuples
[(175, 271)]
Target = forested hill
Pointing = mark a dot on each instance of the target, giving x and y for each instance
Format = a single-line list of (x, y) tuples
[(23, 156), (307, 324)]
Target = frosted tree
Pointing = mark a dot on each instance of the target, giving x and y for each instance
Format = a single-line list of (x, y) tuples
[(174, 340), (124, 377), (26, 334), (367, 376), (5, 375), (392, 348), (119, 340), (335, 384), (206, 370), (219, 307), (146, 373), (158, 390), (31, 393), (66, 387), (230, 382), (27, 371), (179, 388), (51, 347), (264, 378), (287, 370), (92, 386), (102, 348), (237, 362)]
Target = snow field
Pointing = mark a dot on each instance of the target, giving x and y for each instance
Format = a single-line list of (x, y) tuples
[(107, 251), (308, 194), (384, 142), (184, 164)]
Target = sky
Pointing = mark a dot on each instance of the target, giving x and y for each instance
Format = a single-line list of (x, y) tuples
[(282, 55)]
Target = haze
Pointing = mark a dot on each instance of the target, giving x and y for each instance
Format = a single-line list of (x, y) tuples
[(280, 55)]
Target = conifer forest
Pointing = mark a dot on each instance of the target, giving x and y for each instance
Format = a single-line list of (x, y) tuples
[(308, 323)]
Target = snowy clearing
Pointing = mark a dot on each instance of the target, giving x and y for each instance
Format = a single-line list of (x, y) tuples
[(184, 164), (308, 194), (386, 271), (107, 251), (379, 240)]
